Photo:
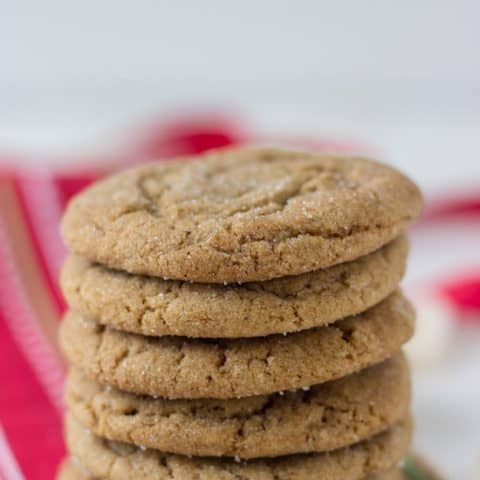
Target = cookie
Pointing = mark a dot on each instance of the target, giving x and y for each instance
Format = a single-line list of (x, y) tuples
[(324, 417), (393, 474), (152, 306), (119, 461), (176, 367), (72, 470), (241, 215)]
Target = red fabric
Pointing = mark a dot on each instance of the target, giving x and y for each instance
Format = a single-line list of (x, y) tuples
[(42, 260), (68, 186), (31, 372), (30, 422), (465, 292)]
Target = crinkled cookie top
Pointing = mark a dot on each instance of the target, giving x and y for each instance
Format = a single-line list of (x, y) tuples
[(240, 215)]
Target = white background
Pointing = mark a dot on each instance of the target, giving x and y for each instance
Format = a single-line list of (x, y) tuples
[(403, 77)]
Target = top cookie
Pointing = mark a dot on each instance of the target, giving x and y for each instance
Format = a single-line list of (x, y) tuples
[(241, 215)]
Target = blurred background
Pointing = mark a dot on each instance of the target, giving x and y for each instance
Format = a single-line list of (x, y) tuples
[(404, 78), (104, 81)]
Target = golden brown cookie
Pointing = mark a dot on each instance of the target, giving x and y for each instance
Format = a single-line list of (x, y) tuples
[(152, 306), (176, 367), (119, 461), (241, 215), (324, 417), (72, 470), (393, 474)]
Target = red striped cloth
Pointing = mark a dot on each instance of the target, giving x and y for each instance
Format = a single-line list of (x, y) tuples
[(31, 253)]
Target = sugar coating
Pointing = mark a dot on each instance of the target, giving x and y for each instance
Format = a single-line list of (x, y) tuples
[(321, 418), (173, 367), (152, 306), (241, 215), (118, 461), (71, 470)]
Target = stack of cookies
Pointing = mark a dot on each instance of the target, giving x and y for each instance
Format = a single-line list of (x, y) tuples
[(238, 317)]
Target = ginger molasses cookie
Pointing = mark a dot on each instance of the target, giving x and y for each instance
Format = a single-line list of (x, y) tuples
[(241, 215), (176, 367), (321, 418), (153, 306), (72, 470), (111, 460)]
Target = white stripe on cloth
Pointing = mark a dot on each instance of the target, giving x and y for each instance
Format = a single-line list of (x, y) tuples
[(43, 205), (9, 468), (20, 320)]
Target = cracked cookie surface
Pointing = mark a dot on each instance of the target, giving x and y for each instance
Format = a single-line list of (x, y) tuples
[(241, 215), (118, 461), (177, 367), (152, 306), (71, 469), (322, 418)]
